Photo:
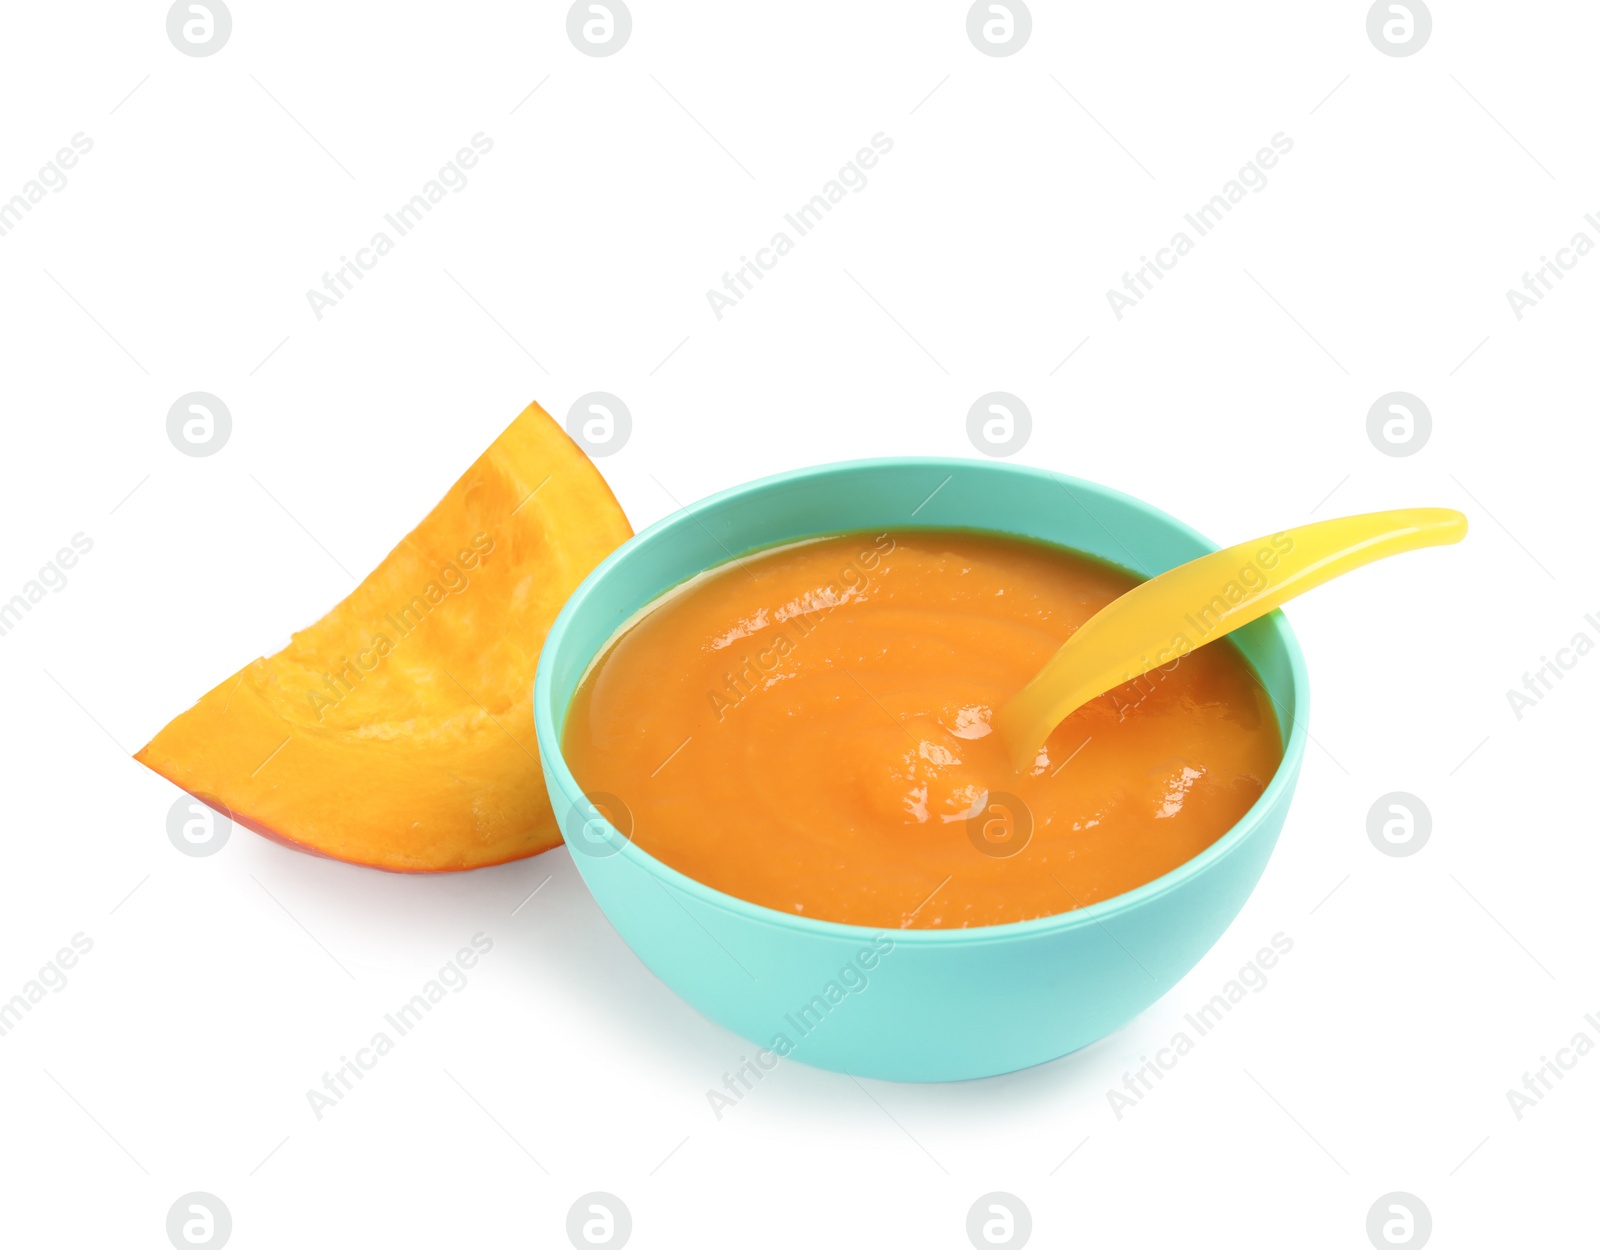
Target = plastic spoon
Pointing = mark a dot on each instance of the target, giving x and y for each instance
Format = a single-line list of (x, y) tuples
[(1165, 618)]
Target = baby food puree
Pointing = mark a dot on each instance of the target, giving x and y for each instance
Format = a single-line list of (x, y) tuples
[(807, 728)]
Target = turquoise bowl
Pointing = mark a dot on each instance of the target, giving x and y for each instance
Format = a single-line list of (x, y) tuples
[(912, 1004)]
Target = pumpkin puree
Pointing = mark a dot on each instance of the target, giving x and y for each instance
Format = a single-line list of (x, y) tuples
[(807, 728)]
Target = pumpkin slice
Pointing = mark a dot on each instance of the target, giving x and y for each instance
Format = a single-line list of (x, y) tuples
[(398, 730)]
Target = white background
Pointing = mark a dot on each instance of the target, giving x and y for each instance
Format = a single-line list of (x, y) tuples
[(177, 258)]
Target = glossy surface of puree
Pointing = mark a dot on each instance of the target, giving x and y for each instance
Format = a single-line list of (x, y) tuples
[(807, 728)]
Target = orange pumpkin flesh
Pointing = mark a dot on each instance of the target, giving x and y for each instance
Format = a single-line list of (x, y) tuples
[(398, 730)]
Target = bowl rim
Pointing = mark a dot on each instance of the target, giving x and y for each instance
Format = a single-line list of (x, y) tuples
[(558, 777)]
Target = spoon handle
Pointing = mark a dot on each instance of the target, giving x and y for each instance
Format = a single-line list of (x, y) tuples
[(1160, 621)]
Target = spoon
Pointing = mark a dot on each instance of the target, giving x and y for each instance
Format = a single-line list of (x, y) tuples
[(1162, 620)]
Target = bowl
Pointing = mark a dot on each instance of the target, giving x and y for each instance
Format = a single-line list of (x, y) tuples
[(907, 1004)]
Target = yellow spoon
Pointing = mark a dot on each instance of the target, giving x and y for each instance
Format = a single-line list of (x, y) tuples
[(1162, 620)]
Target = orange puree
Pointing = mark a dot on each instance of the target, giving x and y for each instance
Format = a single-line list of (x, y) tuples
[(807, 728)]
